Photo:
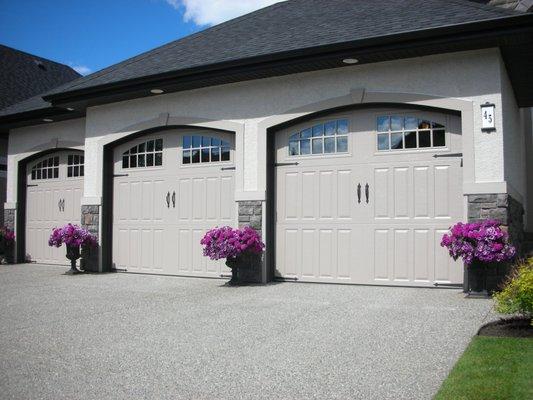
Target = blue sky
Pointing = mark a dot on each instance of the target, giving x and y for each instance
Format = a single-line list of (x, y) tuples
[(90, 35)]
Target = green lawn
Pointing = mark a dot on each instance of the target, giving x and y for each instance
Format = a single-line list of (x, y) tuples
[(492, 368)]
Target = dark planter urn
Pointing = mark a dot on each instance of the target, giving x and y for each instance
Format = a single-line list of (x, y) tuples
[(233, 264), (73, 253), (485, 278), (246, 268)]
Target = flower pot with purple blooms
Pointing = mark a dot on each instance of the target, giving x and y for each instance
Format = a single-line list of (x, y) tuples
[(485, 250), (73, 237), (240, 247), (7, 241)]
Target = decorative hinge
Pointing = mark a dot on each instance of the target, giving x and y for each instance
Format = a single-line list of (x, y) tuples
[(281, 164)]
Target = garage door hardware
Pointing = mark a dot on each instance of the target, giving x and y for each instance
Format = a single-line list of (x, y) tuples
[(61, 204), (281, 164), (283, 278), (31, 185), (119, 175), (367, 187), (448, 155), (168, 199), (227, 168), (454, 285), (367, 192), (173, 199), (359, 193)]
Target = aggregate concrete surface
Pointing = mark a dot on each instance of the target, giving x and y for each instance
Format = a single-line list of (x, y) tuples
[(126, 336)]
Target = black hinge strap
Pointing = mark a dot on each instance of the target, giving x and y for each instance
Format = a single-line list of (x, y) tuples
[(227, 168), (448, 155), (281, 164), (118, 175)]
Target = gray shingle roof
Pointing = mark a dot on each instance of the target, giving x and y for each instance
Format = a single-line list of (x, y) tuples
[(289, 26), (24, 75)]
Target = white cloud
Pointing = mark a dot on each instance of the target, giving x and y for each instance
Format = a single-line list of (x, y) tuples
[(81, 69), (212, 12)]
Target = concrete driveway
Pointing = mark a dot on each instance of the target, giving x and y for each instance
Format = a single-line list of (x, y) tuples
[(124, 336)]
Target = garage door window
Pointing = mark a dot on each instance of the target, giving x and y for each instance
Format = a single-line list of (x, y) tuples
[(147, 154), (326, 138), (402, 132), (46, 169), (75, 165), (204, 149)]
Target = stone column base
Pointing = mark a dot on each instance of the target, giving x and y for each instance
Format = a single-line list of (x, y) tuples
[(251, 214), (90, 220)]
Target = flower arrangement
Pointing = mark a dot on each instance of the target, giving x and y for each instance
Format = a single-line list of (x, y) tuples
[(483, 241), (71, 235), (7, 235), (227, 242)]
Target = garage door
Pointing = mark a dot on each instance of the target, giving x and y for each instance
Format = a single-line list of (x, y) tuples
[(53, 198), (169, 189), (364, 197)]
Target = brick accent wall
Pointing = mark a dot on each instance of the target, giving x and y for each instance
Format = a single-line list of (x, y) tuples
[(503, 208), (90, 220)]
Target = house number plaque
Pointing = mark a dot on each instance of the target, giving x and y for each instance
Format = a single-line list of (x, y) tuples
[(487, 117)]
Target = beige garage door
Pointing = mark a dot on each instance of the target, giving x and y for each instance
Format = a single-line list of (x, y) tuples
[(169, 189), (365, 196), (53, 198)]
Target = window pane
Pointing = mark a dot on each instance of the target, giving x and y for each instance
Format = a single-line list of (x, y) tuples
[(196, 141), (410, 140), (141, 160), (33, 174), (215, 142), (186, 156), (329, 128), (225, 154), (82, 159), (149, 160), (342, 126), (383, 124), (158, 144), (82, 171), (205, 155), (342, 144), (438, 138), (38, 174), (133, 150), (150, 145), (56, 161), (215, 154), (294, 136), (125, 162), (424, 139), (76, 171), (142, 148), (396, 123), (293, 148), (69, 172), (133, 161), (158, 159), (70, 159), (45, 163), (329, 145), (50, 172), (424, 124), (411, 123), (305, 146), (383, 141), (306, 133), (206, 141), (437, 126), (317, 146), (396, 140), (318, 130), (76, 159), (186, 142), (45, 173), (195, 156), (56, 172)]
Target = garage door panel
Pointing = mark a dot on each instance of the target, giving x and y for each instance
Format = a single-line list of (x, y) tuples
[(327, 195), (227, 202), (381, 254), (344, 256), (309, 241), (185, 193), (442, 191), (381, 193), (401, 192), (422, 243), (401, 255), (346, 194), (310, 184), (421, 193)]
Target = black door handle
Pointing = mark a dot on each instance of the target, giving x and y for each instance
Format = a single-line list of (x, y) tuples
[(59, 205), (367, 192), (173, 199), (168, 199), (63, 205), (358, 193)]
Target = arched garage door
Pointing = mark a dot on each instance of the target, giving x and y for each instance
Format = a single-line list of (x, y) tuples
[(365, 196), (169, 188), (53, 198)]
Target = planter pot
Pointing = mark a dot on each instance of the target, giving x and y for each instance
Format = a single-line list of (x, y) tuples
[(73, 253), (485, 278), (246, 268)]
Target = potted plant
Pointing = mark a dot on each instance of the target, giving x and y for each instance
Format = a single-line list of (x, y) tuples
[(73, 237), (237, 246), (7, 238), (485, 250)]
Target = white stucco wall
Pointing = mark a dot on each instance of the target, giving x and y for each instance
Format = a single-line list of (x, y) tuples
[(474, 77), (23, 142)]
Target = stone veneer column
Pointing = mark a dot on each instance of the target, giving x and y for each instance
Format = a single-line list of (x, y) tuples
[(10, 215), (503, 208), (251, 214), (90, 220)]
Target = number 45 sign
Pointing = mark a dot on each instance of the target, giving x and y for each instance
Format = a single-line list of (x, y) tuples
[(487, 117)]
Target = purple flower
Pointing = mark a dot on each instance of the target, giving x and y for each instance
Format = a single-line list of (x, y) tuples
[(227, 242), (484, 241), (71, 235)]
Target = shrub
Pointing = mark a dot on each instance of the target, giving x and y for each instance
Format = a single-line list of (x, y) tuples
[(517, 294), (484, 241), (229, 243), (7, 235)]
